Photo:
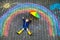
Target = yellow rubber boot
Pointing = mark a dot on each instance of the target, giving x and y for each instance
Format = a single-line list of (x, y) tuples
[(20, 31), (29, 32)]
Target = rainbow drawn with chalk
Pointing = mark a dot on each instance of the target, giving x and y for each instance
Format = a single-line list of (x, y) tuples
[(5, 20)]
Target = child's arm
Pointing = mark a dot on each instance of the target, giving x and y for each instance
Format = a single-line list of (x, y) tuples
[(30, 20), (23, 19)]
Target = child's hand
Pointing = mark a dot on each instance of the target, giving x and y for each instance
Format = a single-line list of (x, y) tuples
[(30, 18), (22, 17)]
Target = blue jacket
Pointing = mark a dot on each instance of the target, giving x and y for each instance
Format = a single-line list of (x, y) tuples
[(25, 24)]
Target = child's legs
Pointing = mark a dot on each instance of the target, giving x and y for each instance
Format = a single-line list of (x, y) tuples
[(20, 31), (29, 32)]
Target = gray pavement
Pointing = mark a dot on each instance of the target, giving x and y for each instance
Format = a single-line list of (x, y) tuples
[(38, 27)]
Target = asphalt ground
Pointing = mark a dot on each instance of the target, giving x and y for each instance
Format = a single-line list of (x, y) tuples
[(38, 27)]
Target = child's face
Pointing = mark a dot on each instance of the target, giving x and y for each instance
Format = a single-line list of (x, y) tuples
[(27, 20)]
